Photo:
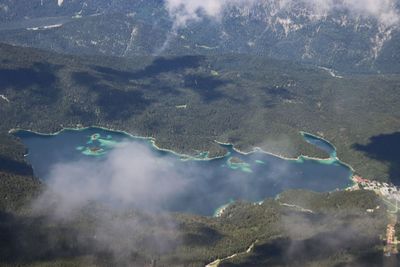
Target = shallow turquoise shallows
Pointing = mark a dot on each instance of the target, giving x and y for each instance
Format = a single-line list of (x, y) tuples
[(211, 183)]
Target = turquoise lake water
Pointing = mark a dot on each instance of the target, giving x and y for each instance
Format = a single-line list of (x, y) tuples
[(212, 182)]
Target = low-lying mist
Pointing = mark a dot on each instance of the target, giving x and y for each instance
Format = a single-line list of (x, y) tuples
[(130, 175), (115, 211)]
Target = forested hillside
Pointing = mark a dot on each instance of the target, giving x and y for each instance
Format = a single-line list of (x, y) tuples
[(239, 99)]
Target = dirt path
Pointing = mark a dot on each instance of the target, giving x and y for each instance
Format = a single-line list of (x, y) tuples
[(216, 263)]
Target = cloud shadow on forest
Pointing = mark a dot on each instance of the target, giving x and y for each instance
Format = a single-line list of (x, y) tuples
[(39, 80), (384, 148)]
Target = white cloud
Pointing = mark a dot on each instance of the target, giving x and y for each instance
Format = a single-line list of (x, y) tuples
[(3, 8), (130, 182), (384, 11), (131, 175), (184, 10), (135, 175)]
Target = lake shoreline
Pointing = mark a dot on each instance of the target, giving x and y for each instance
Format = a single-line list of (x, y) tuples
[(153, 140), (204, 155)]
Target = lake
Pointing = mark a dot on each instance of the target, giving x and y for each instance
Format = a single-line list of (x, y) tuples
[(211, 183)]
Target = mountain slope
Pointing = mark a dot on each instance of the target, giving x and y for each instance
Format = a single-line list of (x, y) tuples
[(337, 39)]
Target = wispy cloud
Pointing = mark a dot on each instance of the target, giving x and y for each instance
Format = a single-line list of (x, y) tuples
[(183, 11), (134, 179), (134, 175), (130, 175), (121, 197)]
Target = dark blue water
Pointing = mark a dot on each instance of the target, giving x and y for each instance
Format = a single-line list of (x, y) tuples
[(212, 183)]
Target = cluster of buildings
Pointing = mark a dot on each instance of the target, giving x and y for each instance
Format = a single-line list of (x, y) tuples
[(389, 192), (391, 241), (391, 235), (386, 190)]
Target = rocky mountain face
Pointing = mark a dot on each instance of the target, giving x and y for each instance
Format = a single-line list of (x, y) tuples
[(336, 38)]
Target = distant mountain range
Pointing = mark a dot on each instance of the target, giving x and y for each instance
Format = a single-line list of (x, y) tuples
[(339, 39)]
